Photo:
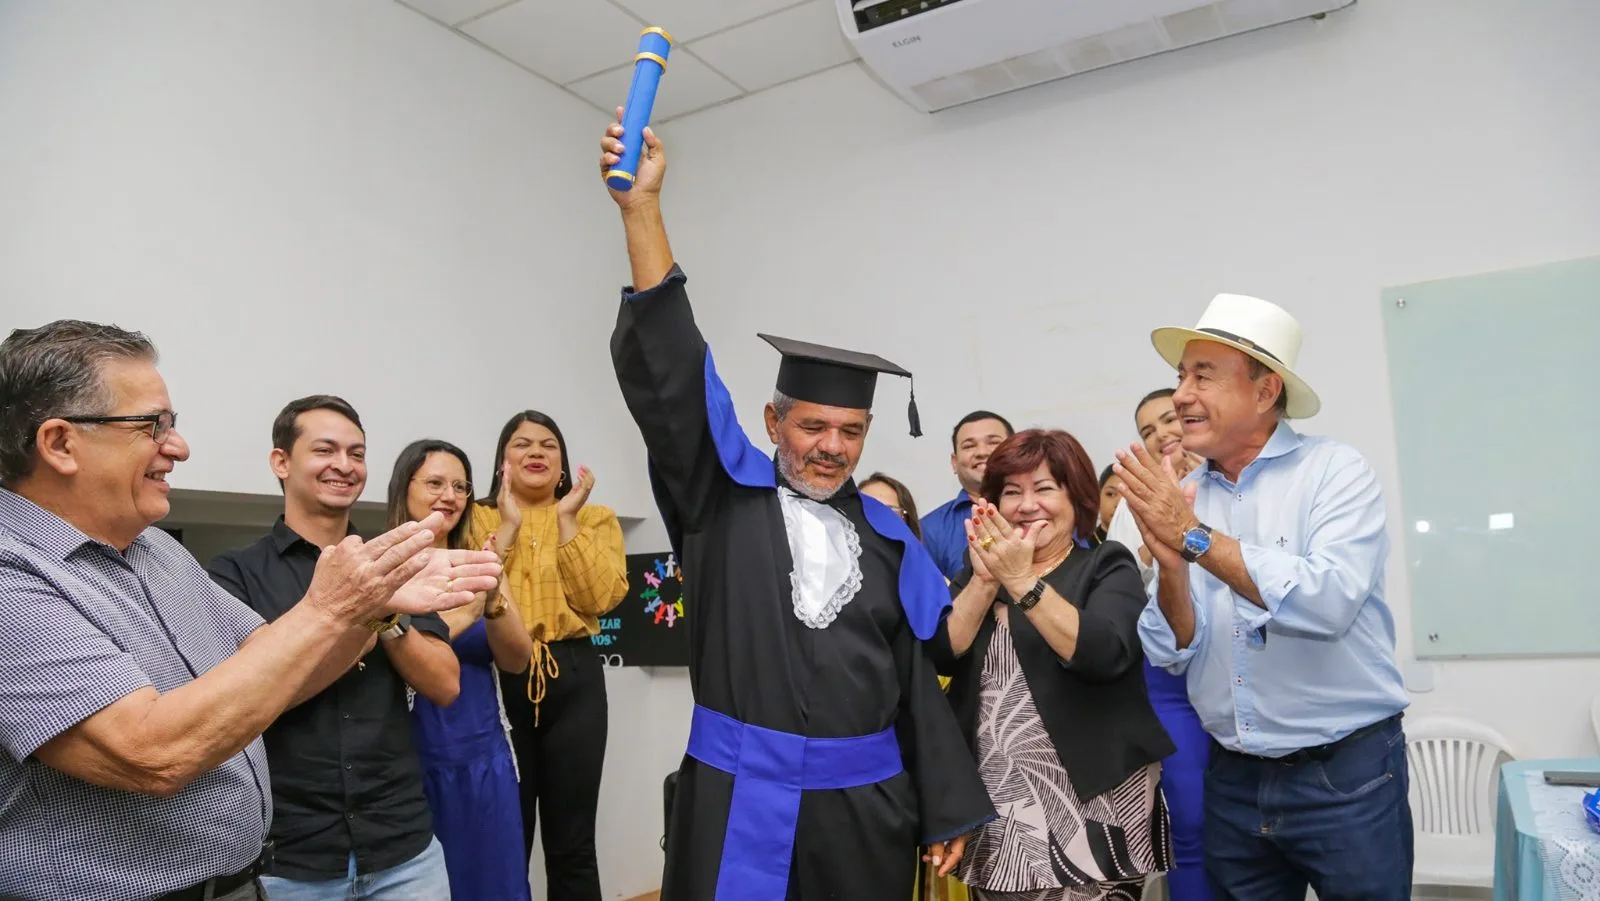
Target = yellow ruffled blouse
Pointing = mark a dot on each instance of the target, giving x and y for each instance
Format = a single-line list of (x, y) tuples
[(561, 590)]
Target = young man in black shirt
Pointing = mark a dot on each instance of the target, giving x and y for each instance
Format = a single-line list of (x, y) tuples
[(348, 806)]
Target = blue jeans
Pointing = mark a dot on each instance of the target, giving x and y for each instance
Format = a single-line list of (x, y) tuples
[(1341, 824), (422, 878)]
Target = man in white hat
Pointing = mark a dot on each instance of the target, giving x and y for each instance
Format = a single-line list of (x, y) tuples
[(1268, 597)]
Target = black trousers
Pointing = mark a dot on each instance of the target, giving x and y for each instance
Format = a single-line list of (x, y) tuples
[(560, 760)]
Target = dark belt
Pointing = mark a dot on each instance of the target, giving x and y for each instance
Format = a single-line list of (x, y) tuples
[(222, 885), (1318, 752)]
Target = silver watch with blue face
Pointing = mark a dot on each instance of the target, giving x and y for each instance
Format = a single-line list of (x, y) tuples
[(1196, 542)]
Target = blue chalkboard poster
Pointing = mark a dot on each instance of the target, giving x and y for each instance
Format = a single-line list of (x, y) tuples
[(650, 627)]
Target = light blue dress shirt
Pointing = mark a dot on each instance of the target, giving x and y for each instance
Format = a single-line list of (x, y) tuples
[(1318, 663)]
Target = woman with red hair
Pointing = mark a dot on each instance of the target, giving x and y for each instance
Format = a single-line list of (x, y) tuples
[(1048, 683)]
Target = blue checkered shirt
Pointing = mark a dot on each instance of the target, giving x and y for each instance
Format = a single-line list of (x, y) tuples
[(82, 625)]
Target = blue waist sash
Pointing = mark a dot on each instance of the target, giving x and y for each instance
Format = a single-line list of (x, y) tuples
[(770, 769)]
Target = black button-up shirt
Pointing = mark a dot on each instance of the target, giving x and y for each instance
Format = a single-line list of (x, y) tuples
[(345, 776)]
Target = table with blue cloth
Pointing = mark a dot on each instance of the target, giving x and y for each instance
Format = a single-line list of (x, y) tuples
[(1544, 850)]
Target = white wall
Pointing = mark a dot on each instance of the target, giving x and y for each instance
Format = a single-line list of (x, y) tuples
[(1016, 253), (351, 200), (293, 197)]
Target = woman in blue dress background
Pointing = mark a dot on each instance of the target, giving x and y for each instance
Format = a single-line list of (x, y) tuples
[(468, 771)]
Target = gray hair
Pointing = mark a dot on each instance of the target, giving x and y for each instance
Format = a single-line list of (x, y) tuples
[(1259, 369), (55, 371), (782, 404)]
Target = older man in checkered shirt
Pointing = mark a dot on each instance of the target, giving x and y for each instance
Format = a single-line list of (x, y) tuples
[(133, 691)]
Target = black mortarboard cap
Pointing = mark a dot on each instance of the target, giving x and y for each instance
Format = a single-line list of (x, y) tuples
[(835, 377)]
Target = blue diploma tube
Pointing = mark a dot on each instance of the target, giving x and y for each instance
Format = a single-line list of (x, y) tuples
[(648, 67)]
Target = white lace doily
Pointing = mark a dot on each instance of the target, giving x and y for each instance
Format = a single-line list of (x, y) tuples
[(827, 559), (1569, 848)]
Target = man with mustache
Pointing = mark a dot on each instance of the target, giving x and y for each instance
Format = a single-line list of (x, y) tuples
[(822, 750)]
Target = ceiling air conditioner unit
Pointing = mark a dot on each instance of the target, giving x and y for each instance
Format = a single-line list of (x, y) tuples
[(937, 54)]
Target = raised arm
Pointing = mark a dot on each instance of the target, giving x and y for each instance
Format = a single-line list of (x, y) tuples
[(660, 356), (87, 709)]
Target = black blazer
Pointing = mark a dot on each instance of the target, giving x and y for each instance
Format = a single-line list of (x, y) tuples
[(1095, 707)]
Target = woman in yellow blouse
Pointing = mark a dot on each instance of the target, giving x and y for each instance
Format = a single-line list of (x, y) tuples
[(564, 565)]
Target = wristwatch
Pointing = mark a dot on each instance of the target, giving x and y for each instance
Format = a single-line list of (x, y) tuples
[(1027, 601), (389, 629), (1196, 542)]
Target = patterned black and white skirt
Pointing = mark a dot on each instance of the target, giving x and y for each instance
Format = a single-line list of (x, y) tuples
[(1047, 845)]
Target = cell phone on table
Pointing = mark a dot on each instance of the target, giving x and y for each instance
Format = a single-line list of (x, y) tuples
[(1580, 778)]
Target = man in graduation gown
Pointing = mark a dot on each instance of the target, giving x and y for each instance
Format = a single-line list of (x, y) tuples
[(822, 752)]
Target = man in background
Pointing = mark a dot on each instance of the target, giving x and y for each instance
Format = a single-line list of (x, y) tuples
[(133, 691), (971, 442), (348, 805), (1269, 598)]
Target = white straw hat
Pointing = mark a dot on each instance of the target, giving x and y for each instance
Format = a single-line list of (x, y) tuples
[(1264, 331)]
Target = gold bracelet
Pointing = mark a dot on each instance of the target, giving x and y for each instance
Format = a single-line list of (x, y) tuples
[(384, 625)]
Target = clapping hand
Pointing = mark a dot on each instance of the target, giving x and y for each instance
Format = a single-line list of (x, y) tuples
[(1003, 550), (578, 496), (449, 579), (506, 502), (980, 572), (400, 572), (1162, 506)]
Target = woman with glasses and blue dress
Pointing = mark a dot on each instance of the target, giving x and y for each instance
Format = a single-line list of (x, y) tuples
[(468, 769)]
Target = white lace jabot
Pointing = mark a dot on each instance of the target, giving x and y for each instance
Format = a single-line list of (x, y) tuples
[(827, 558)]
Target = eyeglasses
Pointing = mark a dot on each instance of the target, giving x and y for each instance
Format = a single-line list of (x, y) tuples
[(161, 424), (437, 485)]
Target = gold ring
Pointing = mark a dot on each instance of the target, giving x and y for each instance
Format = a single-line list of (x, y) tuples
[(986, 542)]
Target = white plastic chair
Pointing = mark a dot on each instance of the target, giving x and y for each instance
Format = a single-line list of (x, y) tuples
[(1455, 768)]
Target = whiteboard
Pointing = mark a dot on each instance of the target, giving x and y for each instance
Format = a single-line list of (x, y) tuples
[(1497, 422)]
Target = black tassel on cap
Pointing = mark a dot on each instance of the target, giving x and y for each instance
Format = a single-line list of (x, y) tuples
[(911, 412)]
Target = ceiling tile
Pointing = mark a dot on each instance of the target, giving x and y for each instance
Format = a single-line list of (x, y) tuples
[(688, 85), (452, 12), (686, 20), (563, 40), (778, 48)]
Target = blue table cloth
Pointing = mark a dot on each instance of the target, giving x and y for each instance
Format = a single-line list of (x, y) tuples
[(1544, 850)]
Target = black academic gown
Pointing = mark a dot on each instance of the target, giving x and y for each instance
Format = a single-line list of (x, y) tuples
[(753, 660)]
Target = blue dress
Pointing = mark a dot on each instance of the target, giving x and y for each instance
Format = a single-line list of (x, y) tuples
[(471, 780), (1182, 781)]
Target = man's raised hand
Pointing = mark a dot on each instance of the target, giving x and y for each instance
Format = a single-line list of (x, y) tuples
[(652, 164)]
